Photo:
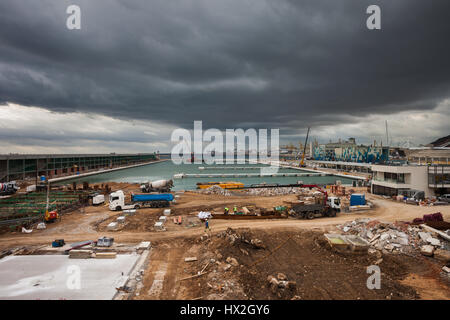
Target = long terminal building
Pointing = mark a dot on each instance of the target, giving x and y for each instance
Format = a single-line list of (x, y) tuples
[(27, 166)]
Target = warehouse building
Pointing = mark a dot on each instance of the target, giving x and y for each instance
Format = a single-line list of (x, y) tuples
[(21, 167)]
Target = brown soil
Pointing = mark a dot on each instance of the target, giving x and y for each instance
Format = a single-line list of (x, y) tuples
[(304, 257), (318, 272)]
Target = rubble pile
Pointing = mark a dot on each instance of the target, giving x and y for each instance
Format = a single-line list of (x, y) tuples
[(215, 189), (276, 191), (280, 283), (396, 237), (235, 237)]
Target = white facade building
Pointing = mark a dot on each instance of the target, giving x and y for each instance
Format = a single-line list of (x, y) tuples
[(394, 180)]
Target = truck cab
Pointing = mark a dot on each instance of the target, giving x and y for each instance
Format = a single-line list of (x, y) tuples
[(334, 203), (116, 201)]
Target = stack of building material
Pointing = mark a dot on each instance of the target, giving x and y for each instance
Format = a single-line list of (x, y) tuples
[(80, 254), (167, 212), (105, 255), (121, 219)]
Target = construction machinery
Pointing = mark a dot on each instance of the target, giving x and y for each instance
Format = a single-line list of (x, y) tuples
[(8, 188), (117, 201), (157, 186), (50, 216), (328, 208), (302, 161)]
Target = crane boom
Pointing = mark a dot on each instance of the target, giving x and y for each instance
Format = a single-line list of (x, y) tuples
[(302, 162)]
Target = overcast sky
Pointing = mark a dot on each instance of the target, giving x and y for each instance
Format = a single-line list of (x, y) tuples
[(138, 69)]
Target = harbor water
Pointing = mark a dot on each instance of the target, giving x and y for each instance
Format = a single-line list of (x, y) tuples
[(167, 169)]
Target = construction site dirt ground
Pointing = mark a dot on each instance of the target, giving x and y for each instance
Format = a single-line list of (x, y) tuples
[(293, 247)]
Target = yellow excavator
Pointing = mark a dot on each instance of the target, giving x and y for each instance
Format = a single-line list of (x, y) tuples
[(302, 162)]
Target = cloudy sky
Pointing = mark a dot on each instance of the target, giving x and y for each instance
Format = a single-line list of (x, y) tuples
[(138, 69)]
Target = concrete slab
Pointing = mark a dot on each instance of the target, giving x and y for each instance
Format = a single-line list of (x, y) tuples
[(46, 277)]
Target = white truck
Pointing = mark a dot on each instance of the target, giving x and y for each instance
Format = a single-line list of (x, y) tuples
[(157, 186), (160, 200)]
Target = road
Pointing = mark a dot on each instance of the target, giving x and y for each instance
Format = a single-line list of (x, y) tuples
[(80, 229)]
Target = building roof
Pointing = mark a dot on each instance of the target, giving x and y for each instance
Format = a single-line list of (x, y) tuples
[(429, 153)]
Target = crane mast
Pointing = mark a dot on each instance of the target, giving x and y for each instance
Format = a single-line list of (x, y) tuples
[(302, 162)]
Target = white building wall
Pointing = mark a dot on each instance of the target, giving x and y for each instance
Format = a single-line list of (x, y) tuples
[(416, 177)]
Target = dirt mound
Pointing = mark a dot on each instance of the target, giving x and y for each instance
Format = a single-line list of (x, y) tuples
[(312, 270)]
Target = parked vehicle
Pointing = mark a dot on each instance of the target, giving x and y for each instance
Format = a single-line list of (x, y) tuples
[(7, 188), (98, 199), (311, 211), (445, 197), (160, 200)]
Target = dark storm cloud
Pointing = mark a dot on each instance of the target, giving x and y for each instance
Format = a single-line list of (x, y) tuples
[(231, 63)]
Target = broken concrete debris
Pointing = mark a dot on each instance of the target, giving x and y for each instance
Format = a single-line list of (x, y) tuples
[(398, 237), (217, 190), (232, 261), (280, 282), (427, 250)]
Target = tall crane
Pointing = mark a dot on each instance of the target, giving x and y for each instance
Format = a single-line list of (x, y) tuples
[(302, 162)]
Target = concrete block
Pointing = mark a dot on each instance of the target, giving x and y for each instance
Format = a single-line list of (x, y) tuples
[(433, 241), (158, 224), (167, 212), (427, 250), (402, 241), (144, 245), (163, 218), (424, 235), (384, 236)]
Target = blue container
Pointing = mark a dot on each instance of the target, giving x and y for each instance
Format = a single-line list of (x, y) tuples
[(152, 197), (357, 199)]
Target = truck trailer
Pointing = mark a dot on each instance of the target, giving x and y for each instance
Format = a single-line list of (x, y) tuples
[(160, 200)]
